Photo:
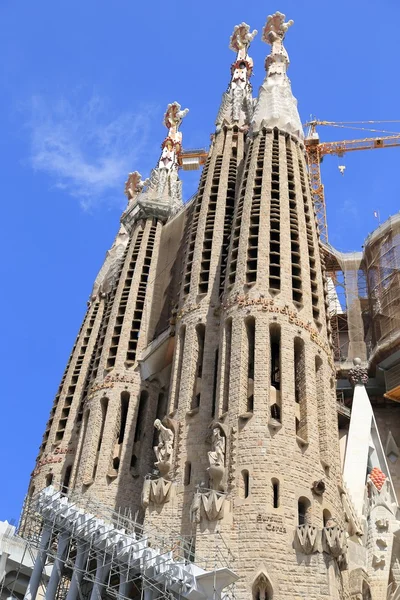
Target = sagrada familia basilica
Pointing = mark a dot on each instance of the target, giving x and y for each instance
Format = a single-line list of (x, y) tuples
[(195, 448)]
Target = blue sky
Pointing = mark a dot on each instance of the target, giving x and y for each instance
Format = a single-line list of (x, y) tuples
[(84, 88)]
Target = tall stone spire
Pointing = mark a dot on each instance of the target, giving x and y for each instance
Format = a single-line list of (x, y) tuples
[(161, 194), (237, 102), (276, 106)]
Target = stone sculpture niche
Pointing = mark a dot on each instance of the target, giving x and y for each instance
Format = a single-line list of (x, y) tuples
[(216, 458), (164, 449)]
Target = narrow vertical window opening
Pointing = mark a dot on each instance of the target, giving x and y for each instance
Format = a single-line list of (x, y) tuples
[(124, 414), (188, 473), (303, 511), (66, 480), (200, 332), (215, 380), (251, 333), (300, 388), (140, 418), (49, 479), (227, 366), (182, 334), (246, 483), (275, 493)]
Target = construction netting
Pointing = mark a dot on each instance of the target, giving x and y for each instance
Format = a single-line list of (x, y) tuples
[(382, 265), (347, 297), (364, 294)]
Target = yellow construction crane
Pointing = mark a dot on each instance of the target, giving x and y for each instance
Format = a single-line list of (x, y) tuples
[(316, 150)]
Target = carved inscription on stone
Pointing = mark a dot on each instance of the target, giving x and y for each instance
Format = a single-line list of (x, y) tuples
[(272, 522)]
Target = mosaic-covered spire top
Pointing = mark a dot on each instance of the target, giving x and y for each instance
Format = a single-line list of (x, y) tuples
[(276, 106), (237, 102)]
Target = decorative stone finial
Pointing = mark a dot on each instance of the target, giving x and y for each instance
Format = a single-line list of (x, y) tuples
[(241, 38), (358, 375), (276, 105), (237, 101), (275, 28), (172, 145), (378, 478)]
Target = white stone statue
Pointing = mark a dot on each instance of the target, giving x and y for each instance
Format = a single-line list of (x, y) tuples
[(134, 185), (216, 458), (165, 448), (217, 455)]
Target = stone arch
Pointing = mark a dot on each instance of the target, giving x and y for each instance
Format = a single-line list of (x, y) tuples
[(262, 587), (359, 584)]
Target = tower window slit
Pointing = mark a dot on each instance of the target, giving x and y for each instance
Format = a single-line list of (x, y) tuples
[(215, 381), (250, 333), (209, 229), (103, 407), (200, 334), (274, 249), (245, 483), (188, 473), (303, 511), (275, 493), (310, 240), (124, 404), (193, 229), (66, 480), (297, 293), (300, 388), (182, 334), (141, 295), (139, 428), (238, 220), (252, 245), (227, 366), (228, 218)]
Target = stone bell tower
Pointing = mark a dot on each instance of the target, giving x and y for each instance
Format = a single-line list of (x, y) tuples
[(253, 453), (95, 442)]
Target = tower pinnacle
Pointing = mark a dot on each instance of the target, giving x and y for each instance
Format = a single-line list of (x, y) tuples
[(276, 106), (237, 101), (161, 194)]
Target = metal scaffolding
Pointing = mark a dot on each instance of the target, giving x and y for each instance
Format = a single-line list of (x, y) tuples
[(95, 552)]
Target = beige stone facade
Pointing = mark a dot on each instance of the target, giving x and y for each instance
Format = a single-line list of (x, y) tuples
[(211, 320)]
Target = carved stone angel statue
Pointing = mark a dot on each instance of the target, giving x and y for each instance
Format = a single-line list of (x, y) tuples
[(165, 447)]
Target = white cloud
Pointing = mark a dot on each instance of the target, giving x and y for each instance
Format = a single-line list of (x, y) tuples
[(86, 151)]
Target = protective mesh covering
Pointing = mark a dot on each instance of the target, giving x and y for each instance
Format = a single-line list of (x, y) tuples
[(382, 261), (364, 296), (347, 303)]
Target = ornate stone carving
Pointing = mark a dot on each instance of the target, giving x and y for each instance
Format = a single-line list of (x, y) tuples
[(275, 28), (358, 375), (276, 105), (164, 449), (213, 504), (216, 458), (134, 185), (334, 541), (307, 538), (378, 478), (318, 487), (237, 102), (195, 508), (156, 491)]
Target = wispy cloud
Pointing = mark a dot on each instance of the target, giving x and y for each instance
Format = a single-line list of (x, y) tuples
[(86, 151)]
